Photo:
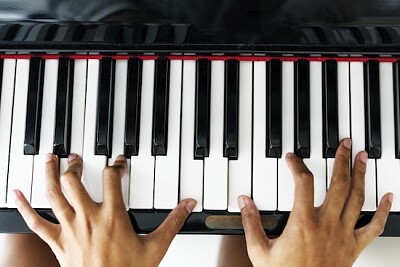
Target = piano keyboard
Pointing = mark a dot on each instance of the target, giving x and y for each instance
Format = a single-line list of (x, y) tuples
[(211, 128)]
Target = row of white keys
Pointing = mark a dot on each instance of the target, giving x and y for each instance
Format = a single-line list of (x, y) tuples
[(343, 109), (239, 171), (7, 94), (20, 166), (358, 132), (191, 172), (121, 69), (39, 199), (142, 166), (216, 165), (316, 163), (285, 180), (93, 164), (265, 172), (167, 167), (388, 167)]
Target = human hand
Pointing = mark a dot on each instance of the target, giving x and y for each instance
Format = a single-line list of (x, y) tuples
[(321, 236), (97, 234)]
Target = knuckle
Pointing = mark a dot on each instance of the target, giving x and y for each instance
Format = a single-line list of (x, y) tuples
[(52, 192), (377, 230), (68, 178), (35, 225), (341, 182), (176, 222), (305, 176), (359, 196), (111, 171)]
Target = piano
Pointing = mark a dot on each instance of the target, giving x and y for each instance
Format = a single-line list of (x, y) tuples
[(201, 109)]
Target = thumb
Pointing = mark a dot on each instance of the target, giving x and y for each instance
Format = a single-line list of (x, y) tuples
[(166, 232), (254, 232)]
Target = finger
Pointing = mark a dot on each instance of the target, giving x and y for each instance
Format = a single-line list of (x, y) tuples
[(112, 184), (162, 237), (356, 197), (368, 233), (43, 228), (59, 204), (340, 183), (256, 239), (304, 185), (71, 182)]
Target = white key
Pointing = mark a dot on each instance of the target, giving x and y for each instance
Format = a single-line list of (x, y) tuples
[(20, 169), (358, 132), (92, 177), (191, 173), (6, 104), (216, 165), (121, 70), (142, 166), (240, 169), (265, 172), (343, 108), (388, 167), (167, 167), (78, 111), (39, 199), (285, 179), (316, 163)]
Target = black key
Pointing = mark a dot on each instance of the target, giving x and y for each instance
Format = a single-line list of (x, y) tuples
[(62, 131), (202, 109), (105, 107), (274, 109), (132, 119), (396, 89), (302, 108), (372, 109), (34, 106), (160, 108), (231, 118), (330, 108)]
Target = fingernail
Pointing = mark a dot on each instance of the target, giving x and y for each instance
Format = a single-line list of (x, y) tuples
[(290, 154), (190, 204), (390, 197), (72, 156), (242, 201), (347, 143), (364, 157), (49, 157)]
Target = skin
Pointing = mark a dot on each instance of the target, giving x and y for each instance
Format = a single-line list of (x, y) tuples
[(318, 236), (94, 234), (100, 234)]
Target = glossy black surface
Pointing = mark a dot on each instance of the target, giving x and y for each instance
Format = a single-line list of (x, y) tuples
[(330, 108), (147, 221), (202, 109), (105, 107), (372, 109), (132, 119), (160, 107), (231, 110), (396, 95), (302, 108), (34, 106), (274, 109), (62, 131)]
